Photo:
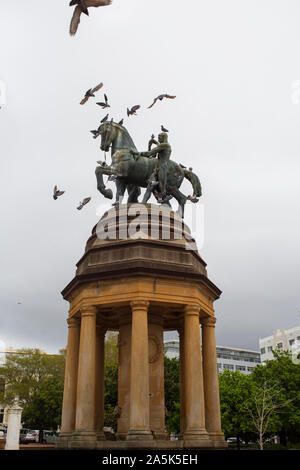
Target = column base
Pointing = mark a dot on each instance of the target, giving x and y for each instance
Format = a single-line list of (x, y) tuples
[(161, 436), (83, 439), (139, 435), (65, 436), (101, 436), (196, 435)]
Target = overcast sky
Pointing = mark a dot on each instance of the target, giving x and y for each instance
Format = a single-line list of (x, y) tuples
[(234, 66)]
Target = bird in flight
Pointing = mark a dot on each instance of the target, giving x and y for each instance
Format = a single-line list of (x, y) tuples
[(133, 110), (95, 133), (163, 129), (90, 93), (57, 192), (82, 6), (83, 203), (104, 105), (161, 97)]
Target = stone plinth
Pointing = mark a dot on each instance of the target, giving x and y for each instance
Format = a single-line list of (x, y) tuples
[(13, 427), (140, 275)]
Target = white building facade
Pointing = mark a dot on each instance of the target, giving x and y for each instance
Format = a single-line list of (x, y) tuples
[(233, 359), (285, 340)]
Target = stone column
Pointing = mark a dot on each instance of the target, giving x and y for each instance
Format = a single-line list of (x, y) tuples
[(85, 409), (211, 381), (139, 428), (99, 377), (13, 427), (124, 349), (181, 365), (156, 377), (193, 377), (70, 385)]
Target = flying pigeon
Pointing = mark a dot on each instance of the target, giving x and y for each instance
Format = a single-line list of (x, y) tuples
[(95, 133), (83, 203), (57, 193), (133, 110), (104, 105), (163, 129), (82, 7), (161, 97), (90, 93)]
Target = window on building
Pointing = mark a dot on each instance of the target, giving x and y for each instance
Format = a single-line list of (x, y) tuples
[(270, 348), (250, 368), (263, 351), (1, 415), (279, 345), (228, 366), (298, 338), (291, 341), (241, 367)]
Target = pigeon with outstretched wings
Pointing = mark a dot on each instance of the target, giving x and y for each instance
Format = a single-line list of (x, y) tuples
[(133, 110), (91, 92), (105, 104), (57, 192), (84, 202), (82, 6), (161, 97)]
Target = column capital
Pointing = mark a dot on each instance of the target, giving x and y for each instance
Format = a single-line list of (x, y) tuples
[(72, 322), (208, 321), (192, 309), (88, 311), (139, 304)]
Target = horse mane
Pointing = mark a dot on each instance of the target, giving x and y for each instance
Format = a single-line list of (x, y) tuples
[(125, 131)]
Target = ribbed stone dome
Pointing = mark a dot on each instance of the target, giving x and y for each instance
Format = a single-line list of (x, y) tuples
[(140, 239)]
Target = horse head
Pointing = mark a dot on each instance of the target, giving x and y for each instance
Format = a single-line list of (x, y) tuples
[(115, 135), (108, 133)]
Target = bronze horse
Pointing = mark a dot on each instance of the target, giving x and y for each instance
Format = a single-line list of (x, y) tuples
[(131, 173)]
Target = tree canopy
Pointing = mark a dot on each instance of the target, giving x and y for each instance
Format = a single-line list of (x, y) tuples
[(36, 380)]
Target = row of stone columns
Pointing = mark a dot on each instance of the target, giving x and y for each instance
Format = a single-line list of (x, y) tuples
[(83, 403)]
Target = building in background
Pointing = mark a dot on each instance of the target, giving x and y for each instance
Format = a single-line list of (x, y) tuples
[(242, 360), (285, 340)]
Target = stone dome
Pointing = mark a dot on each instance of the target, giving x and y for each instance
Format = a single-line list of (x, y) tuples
[(140, 239)]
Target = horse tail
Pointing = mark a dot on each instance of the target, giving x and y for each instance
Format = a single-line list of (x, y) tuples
[(194, 180)]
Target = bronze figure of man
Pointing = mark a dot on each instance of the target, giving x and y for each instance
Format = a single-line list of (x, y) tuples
[(163, 152)]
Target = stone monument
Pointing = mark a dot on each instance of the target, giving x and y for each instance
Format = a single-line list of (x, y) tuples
[(13, 427), (141, 275)]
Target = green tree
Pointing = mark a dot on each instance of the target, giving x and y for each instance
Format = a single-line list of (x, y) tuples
[(283, 376), (36, 380), (172, 394), (111, 380), (45, 407), (235, 392)]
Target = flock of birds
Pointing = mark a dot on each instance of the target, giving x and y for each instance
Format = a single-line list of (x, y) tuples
[(130, 111), (57, 192), (90, 93)]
